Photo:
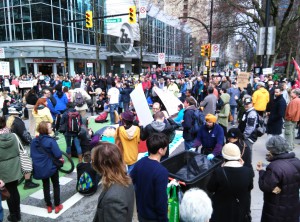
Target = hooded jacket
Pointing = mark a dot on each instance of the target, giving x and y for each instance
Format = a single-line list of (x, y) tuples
[(43, 114), (62, 101), (188, 123), (10, 168), (225, 110), (260, 99), (130, 139)]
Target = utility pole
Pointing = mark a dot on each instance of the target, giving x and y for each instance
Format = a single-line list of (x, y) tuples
[(65, 36), (97, 29), (210, 36), (267, 23)]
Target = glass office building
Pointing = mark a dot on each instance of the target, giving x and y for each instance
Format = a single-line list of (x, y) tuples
[(32, 34)]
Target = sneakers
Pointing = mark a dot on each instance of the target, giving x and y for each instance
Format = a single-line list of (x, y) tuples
[(58, 208), (49, 209), (30, 185)]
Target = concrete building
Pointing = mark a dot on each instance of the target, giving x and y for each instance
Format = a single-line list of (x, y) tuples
[(32, 35)]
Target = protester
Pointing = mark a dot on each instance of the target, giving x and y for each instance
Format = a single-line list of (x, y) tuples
[(41, 113), (231, 185), (10, 169), (117, 196), (209, 103), (233, 92), (280, 182), (260, 98), (180, 115), (61, 100), (113, 96), (41, 148), (79, 98), (150, 179), (195, 206), (31, 99), (224, 111)]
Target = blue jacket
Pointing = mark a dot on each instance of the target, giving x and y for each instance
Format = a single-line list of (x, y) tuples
[(188, 123), (66, 83), (211, 140), (53, 111), (233, 92), (183, 88), (61, 101), (179, 117), (43, 166)]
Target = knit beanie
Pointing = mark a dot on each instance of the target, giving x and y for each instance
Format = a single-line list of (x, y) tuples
[(231, 151)]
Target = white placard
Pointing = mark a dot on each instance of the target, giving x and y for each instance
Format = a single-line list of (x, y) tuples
[(4, 68), (141, 106), (12, 88), (25, 84), (143, 12), (215, 50), (170, 101), (161, 58), (122, 66), (267, 71), (2, 53), (89, 65)]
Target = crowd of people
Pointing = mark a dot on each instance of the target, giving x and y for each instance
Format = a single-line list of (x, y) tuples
[(218, 119)]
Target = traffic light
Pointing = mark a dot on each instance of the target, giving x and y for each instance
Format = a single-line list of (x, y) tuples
[(132, 15), (207, 50), (207, 63), (203, 50), (89, 19), (214, 63)]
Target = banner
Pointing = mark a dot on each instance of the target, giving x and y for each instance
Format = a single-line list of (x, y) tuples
[(141, 106), (4, 69), (25, 84), (170, 101), (243, 79), (12, 88), (297, 68)]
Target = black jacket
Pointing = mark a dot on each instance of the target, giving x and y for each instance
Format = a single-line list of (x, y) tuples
[(125, 93), (277, 113), (188, 122), (31, 99), (284, 172)]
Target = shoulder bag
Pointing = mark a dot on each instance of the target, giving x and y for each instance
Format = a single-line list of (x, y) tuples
[(25, 160)]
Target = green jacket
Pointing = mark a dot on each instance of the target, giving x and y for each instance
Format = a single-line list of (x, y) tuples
[(224, 112), (10, 167)]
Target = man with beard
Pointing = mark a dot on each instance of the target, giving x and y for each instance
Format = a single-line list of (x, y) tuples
[(211, 137), (276, 114)]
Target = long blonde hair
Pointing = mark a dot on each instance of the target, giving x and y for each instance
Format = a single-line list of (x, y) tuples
[(108, 161)]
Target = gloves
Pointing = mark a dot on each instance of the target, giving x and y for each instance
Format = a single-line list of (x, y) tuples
[(210, 156)]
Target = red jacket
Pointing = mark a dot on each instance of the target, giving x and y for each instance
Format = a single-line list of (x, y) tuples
[(146, 85), (292, 112)]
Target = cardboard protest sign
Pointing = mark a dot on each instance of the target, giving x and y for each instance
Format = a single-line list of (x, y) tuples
[(243, 79), (141, 106), (25, 84), (170, 101)]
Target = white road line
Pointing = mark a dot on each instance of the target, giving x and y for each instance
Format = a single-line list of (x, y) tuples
[(42, 212)]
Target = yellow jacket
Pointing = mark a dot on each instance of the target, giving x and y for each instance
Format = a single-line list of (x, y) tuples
[(130, 139), (43, 114), (260, 99)]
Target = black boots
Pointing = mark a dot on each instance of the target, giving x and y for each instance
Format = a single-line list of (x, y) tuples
[(14, 217), (30, 185)]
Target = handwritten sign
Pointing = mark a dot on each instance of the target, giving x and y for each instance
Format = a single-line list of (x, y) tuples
[(243, 79), (25, 84)]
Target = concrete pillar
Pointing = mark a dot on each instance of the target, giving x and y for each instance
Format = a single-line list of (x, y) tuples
[(35, 68), (71, 67), (17, 66), (103, 68), (54, 68)]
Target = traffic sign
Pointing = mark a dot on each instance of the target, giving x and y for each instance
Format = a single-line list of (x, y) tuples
[(161, 58), (114, 20), (143, 12), (215, 50)]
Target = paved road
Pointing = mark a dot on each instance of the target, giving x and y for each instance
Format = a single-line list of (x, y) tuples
[(78, 208)]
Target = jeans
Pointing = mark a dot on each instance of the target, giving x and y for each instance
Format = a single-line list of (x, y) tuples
[(232, 111), (129, 168), (188, 144), (289, 133), (112, 108), (14, 201), (249, 145), (76, 143), (56, 189), (126, 106)]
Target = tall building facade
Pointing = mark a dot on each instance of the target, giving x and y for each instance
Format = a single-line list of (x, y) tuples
[(32, 33)]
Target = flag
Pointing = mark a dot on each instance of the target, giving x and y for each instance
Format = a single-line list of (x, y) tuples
[(297, 68)]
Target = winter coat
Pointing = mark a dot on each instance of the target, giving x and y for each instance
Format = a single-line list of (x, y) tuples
[(17, 126), (224, 112), (248, 125), (275, 121), (187, 123), (43, 114), (66, 83), (62, 101), (292, 112), (125, 93), (43, 166), (10, 167), (271, 99), (130, 139), (179, 117), (210, 104), (225, 206), (260, 99), (85, 96), (284, 172), (233, 92)]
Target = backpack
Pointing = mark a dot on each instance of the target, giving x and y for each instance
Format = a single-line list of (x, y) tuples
[(261, 126), (85, 183), (198, 121), (74, 122), (79, 101), (101, 118)]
